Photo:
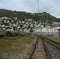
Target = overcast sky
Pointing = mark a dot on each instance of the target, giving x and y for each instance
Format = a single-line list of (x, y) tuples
[(50, 6)]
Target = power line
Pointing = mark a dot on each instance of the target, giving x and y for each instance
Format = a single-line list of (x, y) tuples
[(56, 6)]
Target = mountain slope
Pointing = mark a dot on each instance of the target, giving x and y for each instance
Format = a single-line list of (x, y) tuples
[(24, 15)]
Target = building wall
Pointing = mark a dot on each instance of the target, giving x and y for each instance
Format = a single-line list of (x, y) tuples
[(51, 31)]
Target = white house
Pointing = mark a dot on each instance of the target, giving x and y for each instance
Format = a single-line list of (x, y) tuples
[(4, 18), (37, 29), (9, 30), (26, 30)]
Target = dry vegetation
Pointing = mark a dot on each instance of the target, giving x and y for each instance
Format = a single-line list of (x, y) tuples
[(15, 44)]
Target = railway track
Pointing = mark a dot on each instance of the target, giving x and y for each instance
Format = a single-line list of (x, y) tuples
[(53, 47), (40, 50), (54, 52), (54, 43), (45, 49)]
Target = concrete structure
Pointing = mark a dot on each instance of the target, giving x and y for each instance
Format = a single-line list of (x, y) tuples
[(47, 30)]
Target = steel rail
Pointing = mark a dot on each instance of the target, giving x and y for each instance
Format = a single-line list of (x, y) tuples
[(54, 43), (48, 56), (33, 50)]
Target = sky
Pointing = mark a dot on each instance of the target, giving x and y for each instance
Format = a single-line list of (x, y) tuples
[(50, 6)]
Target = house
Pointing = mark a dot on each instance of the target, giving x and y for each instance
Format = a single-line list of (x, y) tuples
[(15, 18), (4, 18), (54, 31), (11, 30), (37, 29), (26, 30), (47, 30)]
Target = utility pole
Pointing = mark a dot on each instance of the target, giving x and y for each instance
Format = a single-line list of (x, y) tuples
[(38, 6)]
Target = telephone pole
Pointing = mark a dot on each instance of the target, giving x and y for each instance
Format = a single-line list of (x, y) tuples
[(38, 6)]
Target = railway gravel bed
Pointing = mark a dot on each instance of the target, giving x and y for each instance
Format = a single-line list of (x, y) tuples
[(39, 52), (54, 52), (44, 49)]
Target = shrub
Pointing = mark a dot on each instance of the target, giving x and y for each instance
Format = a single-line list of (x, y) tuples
[(11, 34)]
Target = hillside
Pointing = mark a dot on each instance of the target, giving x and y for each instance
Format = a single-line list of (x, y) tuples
[(24, 15)]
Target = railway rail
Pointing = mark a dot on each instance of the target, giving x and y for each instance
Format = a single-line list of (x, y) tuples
[(40, 51), (43, 49), (53, 47), (54, 43)]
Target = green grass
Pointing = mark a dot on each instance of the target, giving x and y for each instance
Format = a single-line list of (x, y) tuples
[(1, 57), (14, 44), (26, 39)]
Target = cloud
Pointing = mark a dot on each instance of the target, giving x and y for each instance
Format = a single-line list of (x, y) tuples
[(50, 6)]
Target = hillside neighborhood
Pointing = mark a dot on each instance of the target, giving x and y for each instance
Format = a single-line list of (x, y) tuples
[(28, 25)]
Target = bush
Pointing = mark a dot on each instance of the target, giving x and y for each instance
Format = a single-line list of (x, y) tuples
[(2, 35), (11, 34)]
